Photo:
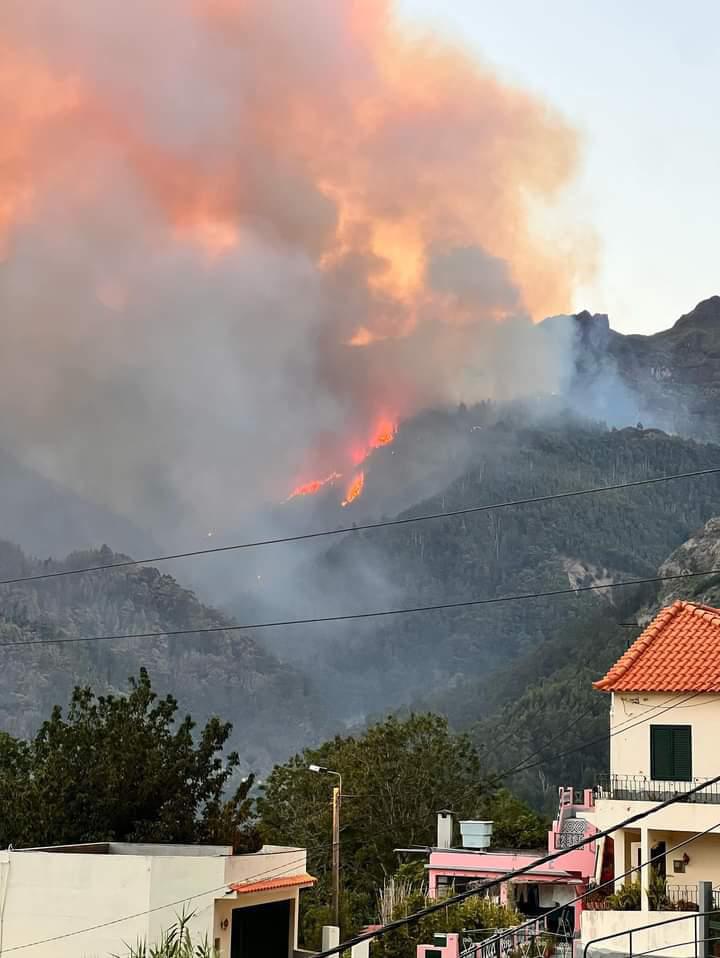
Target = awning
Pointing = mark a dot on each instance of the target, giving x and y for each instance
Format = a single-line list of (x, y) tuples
[(270, 884)]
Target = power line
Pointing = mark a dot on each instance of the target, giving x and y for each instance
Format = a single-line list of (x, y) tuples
[(614, 879), (347, 617), (575, 721), (596, 741), (173, 904), (542, 748), (364, 527), (514, 873)]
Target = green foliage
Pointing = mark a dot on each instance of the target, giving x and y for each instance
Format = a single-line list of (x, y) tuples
[(658, 899), (396, 776), (515, 824), (120, 768), (176, 942), (472, 914), (627, 898), (214, 673)]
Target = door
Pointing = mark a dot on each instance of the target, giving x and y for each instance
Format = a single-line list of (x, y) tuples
[(262, 931)]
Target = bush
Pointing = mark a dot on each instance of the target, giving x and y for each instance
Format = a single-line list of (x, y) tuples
[(626, 899), (473, 913)]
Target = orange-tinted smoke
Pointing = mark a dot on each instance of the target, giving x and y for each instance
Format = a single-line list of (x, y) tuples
[(402, 171)]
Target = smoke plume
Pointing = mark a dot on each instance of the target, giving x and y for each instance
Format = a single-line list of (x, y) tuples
[(235, 235)]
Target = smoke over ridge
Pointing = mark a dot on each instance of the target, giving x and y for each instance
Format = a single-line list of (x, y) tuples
[(236, 234)]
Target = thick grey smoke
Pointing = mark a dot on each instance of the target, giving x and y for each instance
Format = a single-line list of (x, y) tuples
[(233, 238)]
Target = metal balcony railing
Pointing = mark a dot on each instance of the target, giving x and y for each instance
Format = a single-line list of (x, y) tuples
[(638, 788)]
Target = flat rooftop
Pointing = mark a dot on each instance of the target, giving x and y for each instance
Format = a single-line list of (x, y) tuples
[(151, 850)]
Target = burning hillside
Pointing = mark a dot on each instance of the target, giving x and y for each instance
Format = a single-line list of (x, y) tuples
[(217, 214)]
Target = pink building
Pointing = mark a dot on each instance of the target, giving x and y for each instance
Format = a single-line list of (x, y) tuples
[(544, 887)]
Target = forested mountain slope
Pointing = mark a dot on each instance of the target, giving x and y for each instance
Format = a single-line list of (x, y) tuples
[(544, 707), (538, 547), (271, 705)]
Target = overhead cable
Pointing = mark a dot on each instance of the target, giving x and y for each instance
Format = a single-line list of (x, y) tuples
[(514, 873), (354, 616), (361, 527)]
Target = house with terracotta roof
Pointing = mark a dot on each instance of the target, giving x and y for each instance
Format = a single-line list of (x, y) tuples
[(96, 899), (664, 737)]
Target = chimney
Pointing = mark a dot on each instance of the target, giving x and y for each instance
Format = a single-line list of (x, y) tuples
[(445, 828), (476, 835)]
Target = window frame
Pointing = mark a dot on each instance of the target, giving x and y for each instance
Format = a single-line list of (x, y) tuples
[(675, 751)]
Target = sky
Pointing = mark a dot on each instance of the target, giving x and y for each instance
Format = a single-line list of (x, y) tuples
[(640, 80)]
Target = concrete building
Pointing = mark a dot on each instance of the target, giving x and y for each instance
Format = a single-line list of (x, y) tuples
[(543, 888), (664, 724), (95, 900)]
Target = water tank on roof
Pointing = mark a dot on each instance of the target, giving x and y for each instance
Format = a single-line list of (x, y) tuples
[(476, 834)]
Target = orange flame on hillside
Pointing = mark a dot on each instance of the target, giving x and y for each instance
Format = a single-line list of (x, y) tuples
[(382, 435), (314, 486), (355, 489)]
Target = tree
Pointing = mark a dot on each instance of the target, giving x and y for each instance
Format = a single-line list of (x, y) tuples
[(396, 776), (118, 768)]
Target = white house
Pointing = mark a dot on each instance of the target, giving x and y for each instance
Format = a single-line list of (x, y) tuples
[(95, 900), (665, 737)]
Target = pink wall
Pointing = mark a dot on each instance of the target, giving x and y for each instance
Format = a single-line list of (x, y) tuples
[(452, 949)]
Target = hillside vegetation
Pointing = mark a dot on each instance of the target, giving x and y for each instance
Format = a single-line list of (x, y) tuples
[(557, 545), (271, 706)]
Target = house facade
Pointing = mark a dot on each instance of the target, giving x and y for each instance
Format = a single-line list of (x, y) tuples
[(69, 901), (664, 738), (542, 888)]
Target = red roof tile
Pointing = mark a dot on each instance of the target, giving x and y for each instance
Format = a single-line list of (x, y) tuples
[(286, 881), (678, 652)]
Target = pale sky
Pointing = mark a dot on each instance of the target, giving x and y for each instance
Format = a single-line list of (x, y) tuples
[(640, 79)]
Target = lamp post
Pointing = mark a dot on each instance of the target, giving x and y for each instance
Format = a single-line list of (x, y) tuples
[(336, 805)]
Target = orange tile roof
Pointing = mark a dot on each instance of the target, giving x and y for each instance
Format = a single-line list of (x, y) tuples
[(678, 652), (270, 884)]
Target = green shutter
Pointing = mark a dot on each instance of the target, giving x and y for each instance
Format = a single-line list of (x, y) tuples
[(670, 753), (661, 752), (682, 753)]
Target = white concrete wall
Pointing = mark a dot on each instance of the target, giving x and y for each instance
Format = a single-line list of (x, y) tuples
[(49, 895), (272, 861), (630, 749), (704, 855), (172, 881), (685, 817), (597, 924)]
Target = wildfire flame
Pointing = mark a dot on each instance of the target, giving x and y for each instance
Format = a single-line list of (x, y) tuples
[(314, 486), (382, 434), (352, 204), (354, 490)]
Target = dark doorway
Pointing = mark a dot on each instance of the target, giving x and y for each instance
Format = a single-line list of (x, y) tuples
[(657, 857), (262, 931)]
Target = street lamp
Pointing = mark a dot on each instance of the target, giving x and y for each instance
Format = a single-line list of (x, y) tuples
[(336, 804)]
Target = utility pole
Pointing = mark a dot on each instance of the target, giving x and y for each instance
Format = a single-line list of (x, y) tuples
[(336, 808), (336, 803)]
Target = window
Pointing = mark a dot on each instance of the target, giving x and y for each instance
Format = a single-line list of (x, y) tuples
[(670, 753)]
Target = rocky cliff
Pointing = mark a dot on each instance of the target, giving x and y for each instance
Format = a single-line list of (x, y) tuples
[(670, 380)]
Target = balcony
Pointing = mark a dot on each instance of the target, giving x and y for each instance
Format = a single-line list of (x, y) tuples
[(638, 788)]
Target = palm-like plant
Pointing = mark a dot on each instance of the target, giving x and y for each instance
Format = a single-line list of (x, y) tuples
[(176, 942)]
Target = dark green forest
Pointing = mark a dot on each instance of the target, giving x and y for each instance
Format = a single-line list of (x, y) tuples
[(556, 545)]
